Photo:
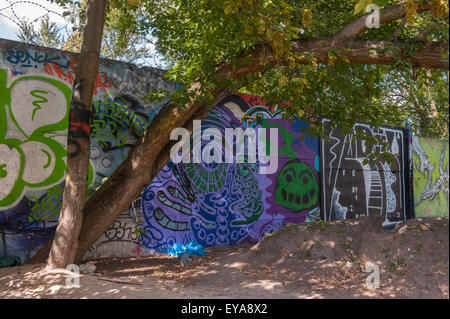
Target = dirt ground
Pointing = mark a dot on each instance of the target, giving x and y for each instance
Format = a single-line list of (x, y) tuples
[(313, 260)]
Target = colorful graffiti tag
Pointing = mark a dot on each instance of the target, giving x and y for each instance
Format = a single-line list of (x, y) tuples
[(35, 90), (33, 114), (226, 204), (122, 238), (352, 185), (430, 161)]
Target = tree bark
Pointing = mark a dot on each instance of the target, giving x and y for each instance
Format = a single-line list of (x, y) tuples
[(151, 152), (65, 242)]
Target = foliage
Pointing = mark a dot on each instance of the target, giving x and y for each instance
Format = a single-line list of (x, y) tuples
[(128, 44), (197, 36), (46, 35), (194, 37), (318, 225)]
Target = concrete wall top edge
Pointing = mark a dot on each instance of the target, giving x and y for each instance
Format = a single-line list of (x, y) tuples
[(16, 45)]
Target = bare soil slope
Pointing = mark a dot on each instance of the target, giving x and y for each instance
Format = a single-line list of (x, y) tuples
[(313, 260)]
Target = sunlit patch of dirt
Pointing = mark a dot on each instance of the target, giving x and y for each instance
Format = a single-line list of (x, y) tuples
[(315, 260)]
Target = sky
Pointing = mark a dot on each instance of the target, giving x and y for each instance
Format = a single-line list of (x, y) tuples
[(30, 9), (34, 10)]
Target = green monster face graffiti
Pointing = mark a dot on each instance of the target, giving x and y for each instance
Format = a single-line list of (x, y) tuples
[(296, 187)]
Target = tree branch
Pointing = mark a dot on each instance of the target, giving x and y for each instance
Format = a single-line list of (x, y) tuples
[(398, 29), (422, 37), (387, 14), (430, 55)]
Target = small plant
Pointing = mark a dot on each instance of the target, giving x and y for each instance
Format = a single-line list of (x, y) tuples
[(346, 246), (268, 235), (292, 227), (304, 254), (318, 225), (396, 263), (319, 243), (340, 232)]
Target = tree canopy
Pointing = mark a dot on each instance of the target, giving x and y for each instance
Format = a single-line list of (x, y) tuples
[(315, 44), (194, 37)]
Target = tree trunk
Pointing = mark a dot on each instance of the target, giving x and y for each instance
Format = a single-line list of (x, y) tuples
[(65, 242)]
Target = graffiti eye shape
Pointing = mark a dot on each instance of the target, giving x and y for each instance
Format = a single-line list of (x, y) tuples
[(289, 178), (289, 175), (106, 162), (95, 153)]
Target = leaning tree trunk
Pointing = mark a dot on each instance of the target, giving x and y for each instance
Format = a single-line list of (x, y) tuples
[(65, 243)]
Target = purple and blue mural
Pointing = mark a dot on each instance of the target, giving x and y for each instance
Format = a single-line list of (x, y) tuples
[(226, 204)]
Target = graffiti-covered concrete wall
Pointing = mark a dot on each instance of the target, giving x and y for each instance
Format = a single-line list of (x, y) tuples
[(353, 185), (35, 90), (226, 204), (430, 162), (214, 204)]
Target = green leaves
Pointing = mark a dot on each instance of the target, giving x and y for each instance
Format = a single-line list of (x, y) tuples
[(195, 37), (361, 6)]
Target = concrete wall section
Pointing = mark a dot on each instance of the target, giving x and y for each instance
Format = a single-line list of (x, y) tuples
[(35, 90), (430, 162), (353, 186), (227, 204)]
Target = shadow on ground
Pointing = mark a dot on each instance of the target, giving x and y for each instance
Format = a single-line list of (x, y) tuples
[(314, 260)]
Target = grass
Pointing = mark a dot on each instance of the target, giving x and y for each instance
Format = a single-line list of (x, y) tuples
[(268, 235), (292, 227), (304, 254), (319, 243), (346, 246), (318, 225), (395, 264)]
